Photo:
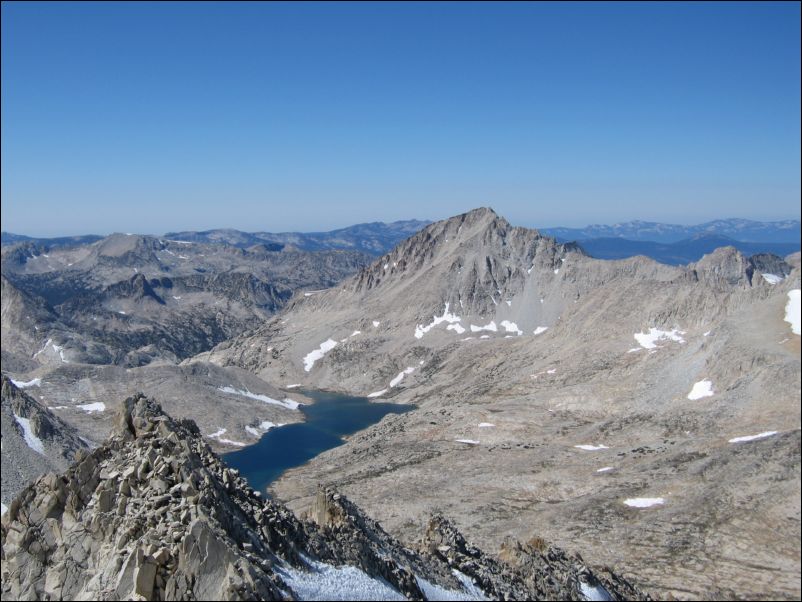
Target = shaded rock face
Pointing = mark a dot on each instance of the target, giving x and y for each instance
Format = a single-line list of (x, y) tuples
[(44, 443), (154, 514)]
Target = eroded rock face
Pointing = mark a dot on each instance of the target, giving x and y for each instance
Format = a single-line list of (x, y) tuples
[(154, 514), (35, 441)]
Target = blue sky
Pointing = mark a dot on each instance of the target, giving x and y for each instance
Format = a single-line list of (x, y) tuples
[(155, 117)]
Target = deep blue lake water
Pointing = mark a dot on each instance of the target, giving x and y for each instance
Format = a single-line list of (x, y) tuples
[(328, 420)]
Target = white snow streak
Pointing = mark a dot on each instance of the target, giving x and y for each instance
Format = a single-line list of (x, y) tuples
[(34, 442), (468, 441), (644, 502), (753, 437), (772, 278), (400, 376), (446, 317), (704, 388), (377, 393), (605, 469), (89, 408), (287, 403), (540, 329), (468, 585), (792, 311), (438, 593), (486, 425), (456, 327), (31, 383), (318, 353), (591, 447)]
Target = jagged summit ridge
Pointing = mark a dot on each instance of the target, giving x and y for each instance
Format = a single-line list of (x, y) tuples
[(154, 514)]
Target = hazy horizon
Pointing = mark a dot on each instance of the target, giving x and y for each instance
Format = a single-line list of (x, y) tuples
[(161, 232)]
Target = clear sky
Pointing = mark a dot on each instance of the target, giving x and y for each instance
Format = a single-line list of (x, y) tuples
[(150, 117)]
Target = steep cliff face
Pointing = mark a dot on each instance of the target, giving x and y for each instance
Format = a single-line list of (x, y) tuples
[(154, 514), (35, 440)]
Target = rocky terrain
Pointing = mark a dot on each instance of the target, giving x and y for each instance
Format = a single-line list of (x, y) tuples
[(648, 412), (153, 514), (35, 441), (645, 414), (131, 300)]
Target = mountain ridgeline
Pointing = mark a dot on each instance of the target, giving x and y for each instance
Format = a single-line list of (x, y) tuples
[(599, 400), (645, 414)]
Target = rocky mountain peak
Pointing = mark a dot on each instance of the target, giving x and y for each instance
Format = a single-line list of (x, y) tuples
[(725, 264)]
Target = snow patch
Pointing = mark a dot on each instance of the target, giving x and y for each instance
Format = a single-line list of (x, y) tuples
[(491, 327), (772, 278), (591, 447), (90, 408), (327, 582), (595, 593), (318, 353), (218, 434), (34, 442), (456, 327), (263, 427), (468, 441), (704, 388), (486, 425), (511, 327), (649, 339), (468, 585), (644, 502), (792, 311), (287, 403), (295, 386), (446, 317), (356, 332), (4, 509), (24, 385), (605, 469), (540, 329), (376, 323), (377, 393), (753, 437), (400, 376), (438, 593)]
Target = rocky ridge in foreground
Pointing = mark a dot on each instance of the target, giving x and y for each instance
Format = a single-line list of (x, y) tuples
[(154, 514)]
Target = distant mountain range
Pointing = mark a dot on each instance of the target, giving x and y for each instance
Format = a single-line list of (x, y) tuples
[(668, 243), (744, 230), (374, 238), (681, 252)]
